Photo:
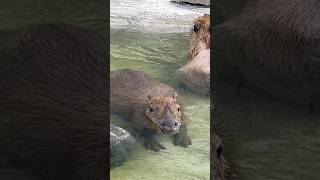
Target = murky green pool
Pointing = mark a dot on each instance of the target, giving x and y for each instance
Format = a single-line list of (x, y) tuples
[(161, 58)]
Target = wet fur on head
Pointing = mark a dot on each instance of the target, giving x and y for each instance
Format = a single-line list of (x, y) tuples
[(159, 105), (200, 38)]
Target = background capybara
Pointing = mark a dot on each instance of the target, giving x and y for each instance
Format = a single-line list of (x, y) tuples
[(195, 75), (275, 46), (53, 108), (151, 106)]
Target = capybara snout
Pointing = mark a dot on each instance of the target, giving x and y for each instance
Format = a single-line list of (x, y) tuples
[(169, 123), (165, 113)]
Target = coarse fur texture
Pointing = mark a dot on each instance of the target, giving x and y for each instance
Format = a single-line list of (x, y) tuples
[(147, 104), (276, 46), (53, 107), (200, 37), (220, 165), (196, 73)]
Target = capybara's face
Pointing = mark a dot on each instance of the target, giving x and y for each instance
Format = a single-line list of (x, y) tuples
[(165, 113), (202, 23), (200, 38)]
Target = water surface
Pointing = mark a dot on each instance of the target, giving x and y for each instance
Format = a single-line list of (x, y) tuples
[(161, 58)]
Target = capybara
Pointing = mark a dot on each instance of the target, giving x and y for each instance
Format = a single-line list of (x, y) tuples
[(53, 107), (220, 165), (195, 75), (276, 46), (152, 107)]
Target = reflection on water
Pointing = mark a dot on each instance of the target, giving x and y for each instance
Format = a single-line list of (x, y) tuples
[(161, 58), (267, 139)]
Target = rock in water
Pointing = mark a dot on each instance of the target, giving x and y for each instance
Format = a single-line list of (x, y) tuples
[(121, 145)]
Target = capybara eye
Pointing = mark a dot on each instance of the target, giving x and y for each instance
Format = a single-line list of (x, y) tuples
[(178, 109), (195, 28), (151, 109)]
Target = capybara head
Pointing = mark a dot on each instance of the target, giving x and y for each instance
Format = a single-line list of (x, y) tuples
[(200, 39), (165, 112)]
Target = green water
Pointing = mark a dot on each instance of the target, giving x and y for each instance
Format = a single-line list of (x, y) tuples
[(161, 58)]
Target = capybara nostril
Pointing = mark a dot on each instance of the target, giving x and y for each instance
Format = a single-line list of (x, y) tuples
[(168, 125)]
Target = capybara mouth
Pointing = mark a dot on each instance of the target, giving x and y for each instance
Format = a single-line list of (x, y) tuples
[(170, 131)]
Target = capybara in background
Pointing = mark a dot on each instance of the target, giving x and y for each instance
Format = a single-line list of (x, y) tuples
[(195, 75), (276, 46), (151, 106), (53, 107)]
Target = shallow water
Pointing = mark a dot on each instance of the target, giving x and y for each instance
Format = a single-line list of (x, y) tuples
[(161, 58), (267, 139)]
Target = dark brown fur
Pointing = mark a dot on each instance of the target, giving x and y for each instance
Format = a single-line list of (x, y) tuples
[(133, 93), (53, 107), (276, 45), (220, 165), (196, 73)]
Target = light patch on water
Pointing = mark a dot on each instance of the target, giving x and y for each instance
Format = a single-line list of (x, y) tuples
[(153, 15)]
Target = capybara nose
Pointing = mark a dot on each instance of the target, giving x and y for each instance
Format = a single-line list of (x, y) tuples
[(169, 125)]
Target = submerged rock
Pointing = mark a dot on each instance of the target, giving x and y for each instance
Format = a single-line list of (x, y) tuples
[(121, 145)]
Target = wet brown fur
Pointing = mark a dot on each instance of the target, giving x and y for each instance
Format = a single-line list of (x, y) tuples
[(196, 73), (276, 45), (200, 39), (129, 97), (53, 107)]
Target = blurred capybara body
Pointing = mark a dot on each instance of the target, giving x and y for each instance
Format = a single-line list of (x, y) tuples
[(276, 46), (151, 106), (53, 108), (195, 75)]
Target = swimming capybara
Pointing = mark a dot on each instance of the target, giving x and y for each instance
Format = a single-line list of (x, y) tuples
[(195, 75), (276, 46), (151, 106), (53, 107)]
